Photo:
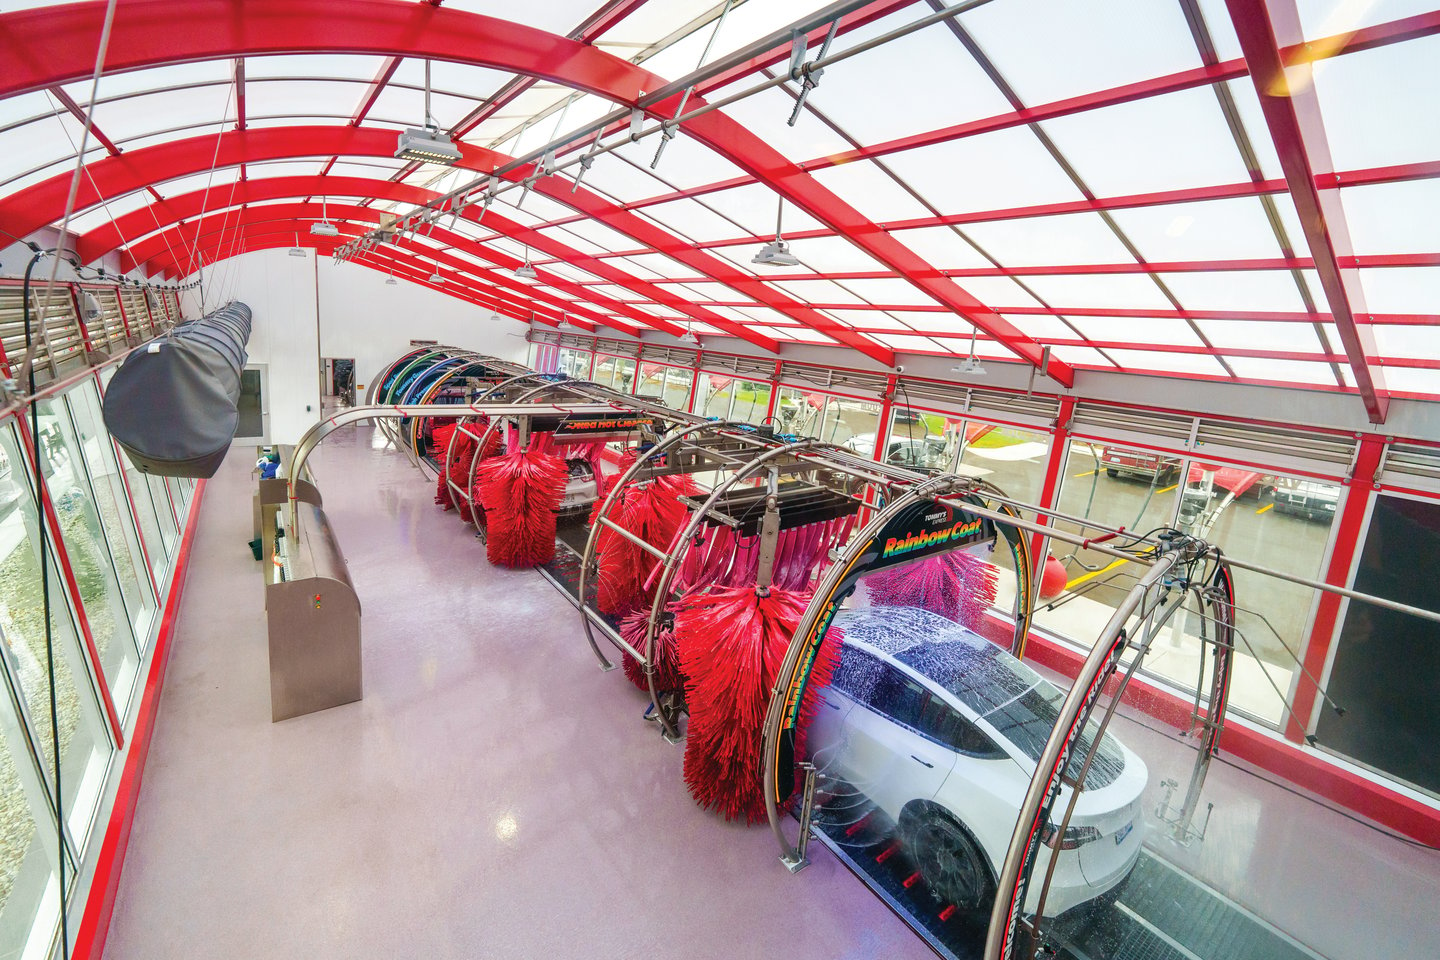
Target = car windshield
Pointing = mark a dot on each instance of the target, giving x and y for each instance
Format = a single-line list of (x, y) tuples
[(1020, 704)]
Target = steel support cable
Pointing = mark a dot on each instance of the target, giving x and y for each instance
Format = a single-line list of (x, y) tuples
[(597, 128), (28, 362), (209, 178)]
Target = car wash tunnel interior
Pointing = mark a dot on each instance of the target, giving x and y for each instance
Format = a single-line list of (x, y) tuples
[(720, 478)]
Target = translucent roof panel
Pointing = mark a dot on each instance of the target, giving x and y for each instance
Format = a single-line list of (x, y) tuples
[(1126, 291), (765, 113), (1138, 330), (1197, 363), (929, 59), (872, 191), (1235, 290), (941, 247), (1393, 217), (1008, 168), (1042, 241), (1213, 230), (1421, 343), (1402, 77), (1285, 371), (753, 207), (1402, 290), (1033, 44), (1260, 335), (1158, 143), (1328, 18)]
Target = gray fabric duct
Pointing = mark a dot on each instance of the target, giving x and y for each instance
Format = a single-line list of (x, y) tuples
[(172, 403)]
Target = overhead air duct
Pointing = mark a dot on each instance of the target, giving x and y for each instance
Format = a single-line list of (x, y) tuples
[(172, 405)]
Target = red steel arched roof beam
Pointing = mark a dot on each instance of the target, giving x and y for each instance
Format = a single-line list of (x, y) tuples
[(1292, 113), (159, 251), (148, 33)]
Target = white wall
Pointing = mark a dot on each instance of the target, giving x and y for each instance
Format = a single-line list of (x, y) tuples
[(363, 317), (285, 334), (303, 310)]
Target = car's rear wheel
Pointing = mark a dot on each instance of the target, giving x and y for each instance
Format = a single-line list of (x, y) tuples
[(947, 858)]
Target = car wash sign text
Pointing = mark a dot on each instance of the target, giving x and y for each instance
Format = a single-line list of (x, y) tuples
[(927, 528)]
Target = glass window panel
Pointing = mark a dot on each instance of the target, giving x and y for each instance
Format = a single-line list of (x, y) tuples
[(871, 190), (1007, 168), (1235, 290), (84, 746), (896, 291), (1119, 291), (26, 107), (1328, 18), (1159, 143), (1385, 662), (1042, 241), (677, 388), (867, 318), (596, 233), (150, 530), (622, 180), (89, 553), (730, 398), (457, 78), (1033, 43), (1402, 76), (663, 265), (818, 291), (915, 344), (1116, 486), (1259, 335), (113, 504), (1393, 217), (928, 59), (1282, 522), (1215, 230), (921, 440), (407, 105), (1014, 459), (168, 531), (1252, 118), (1402, 289), (1043, 327), (211, 73), (199, 181), (941, 247), (103, 213), (354, 67), (1201, 363)]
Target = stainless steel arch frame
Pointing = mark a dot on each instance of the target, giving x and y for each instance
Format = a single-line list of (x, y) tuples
[(668, 442), (322, 429), (682, 547)]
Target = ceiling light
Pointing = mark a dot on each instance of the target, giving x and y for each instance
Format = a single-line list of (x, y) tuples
[(391, 280), (496, 318), (970, 367), (297, 250), (436, 278), (324, 228), (426, 144), (525, 271), (777, 252), (691, 336)]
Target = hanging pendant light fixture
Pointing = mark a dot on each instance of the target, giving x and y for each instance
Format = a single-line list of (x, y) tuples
[(525, 271), (777, 252)]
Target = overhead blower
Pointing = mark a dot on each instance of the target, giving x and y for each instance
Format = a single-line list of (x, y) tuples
[(173, 405)]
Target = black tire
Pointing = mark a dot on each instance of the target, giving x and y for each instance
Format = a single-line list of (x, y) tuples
[(949, 860), (1111, 472)]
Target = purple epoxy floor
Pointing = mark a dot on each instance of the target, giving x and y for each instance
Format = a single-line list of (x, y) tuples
[(494, 795)]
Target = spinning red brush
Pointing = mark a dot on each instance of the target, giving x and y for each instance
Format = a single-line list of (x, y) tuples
[(957, 585), (652, 511), (668, 675), (731, 644), (520, 492)]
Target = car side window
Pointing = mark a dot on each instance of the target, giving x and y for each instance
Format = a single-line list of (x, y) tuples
[(898, 697), (945, 725), (856, 673)]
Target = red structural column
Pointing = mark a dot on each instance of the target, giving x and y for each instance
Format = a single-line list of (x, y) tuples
[(79, 318), (1054, 464), (124, 320), (774, 392), (1351, 520), (882, 429)]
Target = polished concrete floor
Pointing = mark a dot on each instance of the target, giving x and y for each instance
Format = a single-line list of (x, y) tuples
[(493, 796)]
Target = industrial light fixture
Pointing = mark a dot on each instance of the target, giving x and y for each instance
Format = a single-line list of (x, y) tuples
[(970, 366), (324, 228), (495, 317), (390, 280), (525, 271), (435, 277), (777, 253), (427, 144), (690, 336), (297, 250)]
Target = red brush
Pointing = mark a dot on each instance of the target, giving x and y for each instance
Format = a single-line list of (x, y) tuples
[(732, 642), (520, 492), (668, 675), (652, 511), (957, 585)]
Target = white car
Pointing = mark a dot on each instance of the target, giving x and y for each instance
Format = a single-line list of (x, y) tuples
[(941, 729)]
